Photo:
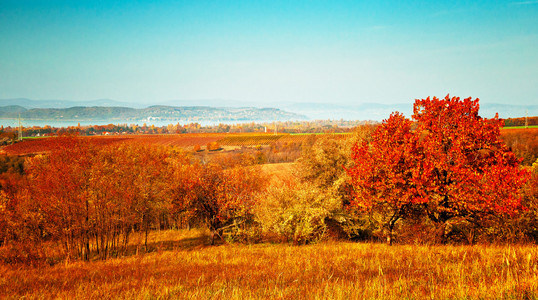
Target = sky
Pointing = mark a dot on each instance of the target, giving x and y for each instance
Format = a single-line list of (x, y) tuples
[(342, 52)]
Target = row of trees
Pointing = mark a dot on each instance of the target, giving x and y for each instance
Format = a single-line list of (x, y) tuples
[(91, 198), (328, 126), (529, 121)]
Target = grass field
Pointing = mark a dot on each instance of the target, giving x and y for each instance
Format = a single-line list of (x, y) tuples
[(182, 266), (520, 127)]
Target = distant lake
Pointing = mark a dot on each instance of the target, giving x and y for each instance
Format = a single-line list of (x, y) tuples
[(158, 123)]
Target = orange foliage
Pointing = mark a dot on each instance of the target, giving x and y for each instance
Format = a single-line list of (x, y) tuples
[(523, 142), (213, 146), (220, 197), (89, 197), (452, 165)]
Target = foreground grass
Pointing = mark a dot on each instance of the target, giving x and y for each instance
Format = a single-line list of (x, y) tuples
[(338, 270)]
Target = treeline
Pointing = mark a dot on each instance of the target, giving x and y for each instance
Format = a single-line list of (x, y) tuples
[(531, 121), (89, 199), (318, 126)]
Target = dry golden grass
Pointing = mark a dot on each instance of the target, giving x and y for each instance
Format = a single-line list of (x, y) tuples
[(335, 270), (278, 173)]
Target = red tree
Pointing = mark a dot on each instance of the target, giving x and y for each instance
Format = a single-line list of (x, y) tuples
[(220, 197), (449, 163), (382, 175)]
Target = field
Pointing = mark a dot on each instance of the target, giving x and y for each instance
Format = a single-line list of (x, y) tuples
[(46, 144), (182, 266), (521, 127), (42, 145), (233, 140), (530, 129), (190, 140)]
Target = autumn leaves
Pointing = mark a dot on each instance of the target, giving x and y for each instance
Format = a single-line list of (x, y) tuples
[(444, 168), (447, 163), (91, 197)]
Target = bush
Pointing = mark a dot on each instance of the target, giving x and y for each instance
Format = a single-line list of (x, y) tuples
[(296, 212), (213, 146), (11, 164), (23, 253)]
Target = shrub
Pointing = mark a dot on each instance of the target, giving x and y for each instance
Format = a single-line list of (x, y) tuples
[(295, 211), (23, 253), (213, 146)]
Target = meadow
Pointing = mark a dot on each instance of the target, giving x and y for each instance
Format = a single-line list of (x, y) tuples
[(182, 265)]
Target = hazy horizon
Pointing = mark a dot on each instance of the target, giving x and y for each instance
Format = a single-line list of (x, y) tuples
[(339, 52)]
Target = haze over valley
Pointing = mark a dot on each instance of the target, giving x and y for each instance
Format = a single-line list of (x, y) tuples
[(104, 111)]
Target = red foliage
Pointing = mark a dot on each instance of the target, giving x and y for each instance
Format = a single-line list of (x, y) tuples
[(220, 195), (449, 163), (382, 176), (44, 145)]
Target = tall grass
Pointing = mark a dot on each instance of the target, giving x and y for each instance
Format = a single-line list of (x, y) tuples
[(339, 270)]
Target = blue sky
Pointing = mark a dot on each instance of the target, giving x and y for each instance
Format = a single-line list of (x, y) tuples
[(269, 51)]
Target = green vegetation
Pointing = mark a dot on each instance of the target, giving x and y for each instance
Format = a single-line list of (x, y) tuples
[(520, 127)]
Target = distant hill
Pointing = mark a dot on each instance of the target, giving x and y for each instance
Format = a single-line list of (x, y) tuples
[(157, 112), (223, 110), (13, 109)]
